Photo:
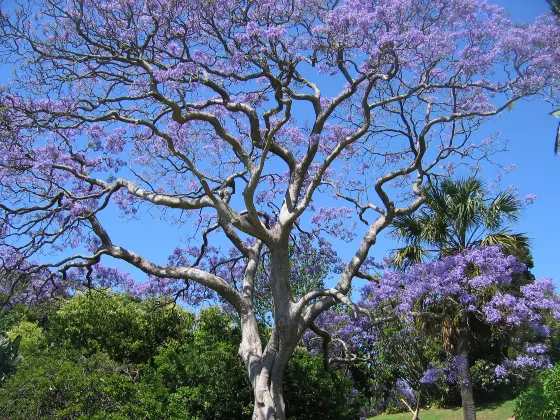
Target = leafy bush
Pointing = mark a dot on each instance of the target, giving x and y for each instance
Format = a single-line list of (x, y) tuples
[(542, 400), (68, 386), (204, 374), (109, 356), (126, 329), (312, 393), (9, 356)]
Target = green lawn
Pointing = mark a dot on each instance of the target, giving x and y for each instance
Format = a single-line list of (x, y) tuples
[(490, 412)]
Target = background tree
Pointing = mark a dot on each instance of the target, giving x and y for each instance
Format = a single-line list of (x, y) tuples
[(458, 214), (223, 113), (96, 356), (459, 289)]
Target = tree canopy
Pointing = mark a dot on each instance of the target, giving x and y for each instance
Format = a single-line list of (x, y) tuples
[(244, 118)]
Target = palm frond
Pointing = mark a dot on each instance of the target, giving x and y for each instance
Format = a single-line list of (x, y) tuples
[(557, 112), (557, 142), (407, 228), (436, 197), (504, 206), (554, 7), (455, 216), (409, 255), (511, 243)]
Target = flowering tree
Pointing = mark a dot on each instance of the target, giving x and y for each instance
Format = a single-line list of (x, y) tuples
[(393, 355), (457, 290), (245, 116)]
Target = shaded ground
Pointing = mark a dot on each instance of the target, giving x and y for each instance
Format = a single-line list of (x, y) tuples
[(502, 411)]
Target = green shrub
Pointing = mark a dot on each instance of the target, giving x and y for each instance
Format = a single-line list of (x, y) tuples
[(542, 400), (69, 386), (126, 329), (9, 356), (312, 393)]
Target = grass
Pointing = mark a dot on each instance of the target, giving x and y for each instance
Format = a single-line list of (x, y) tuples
[(501, 411)]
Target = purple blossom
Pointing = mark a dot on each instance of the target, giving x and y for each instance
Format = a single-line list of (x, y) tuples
[(431, 376), (530, 198)]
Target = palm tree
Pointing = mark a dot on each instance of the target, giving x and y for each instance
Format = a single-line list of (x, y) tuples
[(457, 215), (554, 7)]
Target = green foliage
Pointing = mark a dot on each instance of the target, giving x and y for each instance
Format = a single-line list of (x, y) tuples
[(483, 376), (126, 329), (32, 337), (9, 356), (313, 393), (12, 317), (542, 400), (67, 386), (109, 356), (204, 374)]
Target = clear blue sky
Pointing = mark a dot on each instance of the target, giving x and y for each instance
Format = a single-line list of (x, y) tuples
[(531, 132)]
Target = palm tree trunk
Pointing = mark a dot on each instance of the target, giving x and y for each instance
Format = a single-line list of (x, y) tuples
[(464, 372)]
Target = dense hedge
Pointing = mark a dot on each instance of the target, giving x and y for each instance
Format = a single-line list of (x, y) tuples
[(104, 355)]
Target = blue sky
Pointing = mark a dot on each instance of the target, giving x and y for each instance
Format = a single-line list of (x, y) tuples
[(530, 131)]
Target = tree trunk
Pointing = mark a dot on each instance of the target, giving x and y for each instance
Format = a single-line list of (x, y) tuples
[(269, 399), (265, 370), (418, 404), (464, 372), (266, 366)]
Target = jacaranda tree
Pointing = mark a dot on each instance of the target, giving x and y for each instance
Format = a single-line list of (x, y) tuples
[(459, 290), (246, 117)]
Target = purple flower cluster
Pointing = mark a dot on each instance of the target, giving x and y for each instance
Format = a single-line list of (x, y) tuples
[(533, 357), (473, 281), (431, 375)]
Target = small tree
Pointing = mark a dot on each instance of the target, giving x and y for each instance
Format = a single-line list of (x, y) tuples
[(246, 117), (459, 289)]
